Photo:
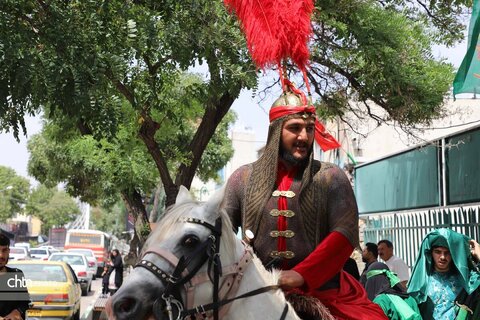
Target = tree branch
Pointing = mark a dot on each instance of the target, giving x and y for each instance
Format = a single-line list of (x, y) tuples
[(121, 87)]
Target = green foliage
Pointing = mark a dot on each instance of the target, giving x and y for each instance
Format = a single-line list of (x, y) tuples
[(14, 191), (377, 54), (111, 220), (218, 152), (88, 54), (95, 171), (53, 207), (98, 170), (445, 18)]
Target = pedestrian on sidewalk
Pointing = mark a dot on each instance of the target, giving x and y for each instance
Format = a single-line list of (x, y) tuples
[(105, 279)]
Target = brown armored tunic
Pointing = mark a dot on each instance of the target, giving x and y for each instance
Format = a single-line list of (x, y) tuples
[(330, 206)]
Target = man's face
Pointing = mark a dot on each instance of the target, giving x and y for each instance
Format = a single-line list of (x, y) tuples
[(297, 138), (442, 259), (4, 254), (385, 252), (366, 255)]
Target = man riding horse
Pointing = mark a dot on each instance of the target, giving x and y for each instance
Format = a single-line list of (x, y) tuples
[(300, 214)]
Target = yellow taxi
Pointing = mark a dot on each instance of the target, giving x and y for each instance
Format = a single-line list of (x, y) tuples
[(53, 287)]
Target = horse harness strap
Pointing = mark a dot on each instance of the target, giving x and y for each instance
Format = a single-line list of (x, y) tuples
[(211, 254), (171, 258), (233, 275), (212, 306)]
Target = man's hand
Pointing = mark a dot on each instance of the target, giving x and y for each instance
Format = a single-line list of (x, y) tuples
[(290, 279), (14, 315), (475, 250)]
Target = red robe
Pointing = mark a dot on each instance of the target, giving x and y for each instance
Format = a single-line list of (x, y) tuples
[(350, 301)]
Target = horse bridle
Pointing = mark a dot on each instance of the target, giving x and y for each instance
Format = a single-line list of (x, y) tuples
[(209, 250)]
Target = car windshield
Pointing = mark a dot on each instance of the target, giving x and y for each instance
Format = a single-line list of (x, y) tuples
[(70, 259), (43, 272), (38, 251)]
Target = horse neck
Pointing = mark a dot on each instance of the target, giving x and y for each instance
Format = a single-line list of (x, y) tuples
[(268, 305)]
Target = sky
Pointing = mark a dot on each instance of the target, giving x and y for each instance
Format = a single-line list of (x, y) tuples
[(252, 112)]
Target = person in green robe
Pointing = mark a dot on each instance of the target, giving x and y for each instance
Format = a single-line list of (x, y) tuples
[(383, 288), (445, 279)]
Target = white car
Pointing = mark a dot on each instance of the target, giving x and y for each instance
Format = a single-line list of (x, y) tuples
[(19, 253), (79, 264), (40, 253), (92, 260), (52, 249), (25, 245)]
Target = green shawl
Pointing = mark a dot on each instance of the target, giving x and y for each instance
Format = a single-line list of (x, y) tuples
[(461, 258)]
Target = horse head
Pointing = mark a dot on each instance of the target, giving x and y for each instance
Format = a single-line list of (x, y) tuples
[(184, 243)]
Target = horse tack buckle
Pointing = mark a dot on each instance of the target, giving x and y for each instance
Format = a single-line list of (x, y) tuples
[(168, 306)]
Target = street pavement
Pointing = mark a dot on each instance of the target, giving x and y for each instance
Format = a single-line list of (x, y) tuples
[(87, 302)]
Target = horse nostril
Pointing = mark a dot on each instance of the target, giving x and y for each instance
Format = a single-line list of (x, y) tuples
[(126, 305)]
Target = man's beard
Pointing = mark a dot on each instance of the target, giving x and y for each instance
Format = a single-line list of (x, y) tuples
[(291, 159)]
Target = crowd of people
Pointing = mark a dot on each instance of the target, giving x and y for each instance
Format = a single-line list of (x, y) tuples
[(444, 283)]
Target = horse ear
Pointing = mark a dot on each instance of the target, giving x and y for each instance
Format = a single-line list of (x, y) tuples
[(183, 195), (214, 204)]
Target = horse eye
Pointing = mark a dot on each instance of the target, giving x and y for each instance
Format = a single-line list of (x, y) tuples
[(190, 241)]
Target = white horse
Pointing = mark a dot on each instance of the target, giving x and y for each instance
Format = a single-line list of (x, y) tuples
[(158, 289)]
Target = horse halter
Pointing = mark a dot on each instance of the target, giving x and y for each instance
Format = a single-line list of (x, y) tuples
[(181, 275), (209, 251)]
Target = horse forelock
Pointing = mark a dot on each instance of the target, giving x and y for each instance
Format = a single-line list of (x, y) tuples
[(170, 224)]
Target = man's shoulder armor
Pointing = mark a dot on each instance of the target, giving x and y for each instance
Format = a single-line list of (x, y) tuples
[(320, 166)]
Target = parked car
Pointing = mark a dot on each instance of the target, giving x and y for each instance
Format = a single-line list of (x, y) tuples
[(19, 253), (92, 260), (79, 263), (25, 245), (53, 288), (52, 249), (40, 253)]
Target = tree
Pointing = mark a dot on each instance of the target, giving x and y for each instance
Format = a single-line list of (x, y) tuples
[(374, 52), (98, 171), (14, 191), (90, 56), (53, 207)]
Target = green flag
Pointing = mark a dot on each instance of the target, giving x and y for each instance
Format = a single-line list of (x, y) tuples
[(467, 78)]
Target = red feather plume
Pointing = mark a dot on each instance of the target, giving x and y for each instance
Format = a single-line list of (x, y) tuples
[(275, 29)]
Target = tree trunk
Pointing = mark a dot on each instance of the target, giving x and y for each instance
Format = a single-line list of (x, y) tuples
[(211, 119), (135, 207)]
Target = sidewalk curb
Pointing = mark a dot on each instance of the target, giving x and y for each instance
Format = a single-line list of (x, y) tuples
[(87, 314)]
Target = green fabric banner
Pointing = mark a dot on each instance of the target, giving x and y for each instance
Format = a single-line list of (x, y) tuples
[(467, 79)]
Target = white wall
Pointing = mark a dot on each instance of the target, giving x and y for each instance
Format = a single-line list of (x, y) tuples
[(379, 141)]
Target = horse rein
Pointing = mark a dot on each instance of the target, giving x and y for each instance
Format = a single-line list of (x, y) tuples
[(181, 275)]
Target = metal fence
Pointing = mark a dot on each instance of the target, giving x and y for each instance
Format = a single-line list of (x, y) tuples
[(406, 229)]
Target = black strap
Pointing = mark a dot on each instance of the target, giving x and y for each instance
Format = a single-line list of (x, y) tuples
[(219, 304), (284, 313)]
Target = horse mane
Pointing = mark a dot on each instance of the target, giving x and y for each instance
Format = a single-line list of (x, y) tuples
[(169, 224)]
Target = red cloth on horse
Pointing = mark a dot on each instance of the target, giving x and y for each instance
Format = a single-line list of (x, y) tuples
[(350, 301)]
